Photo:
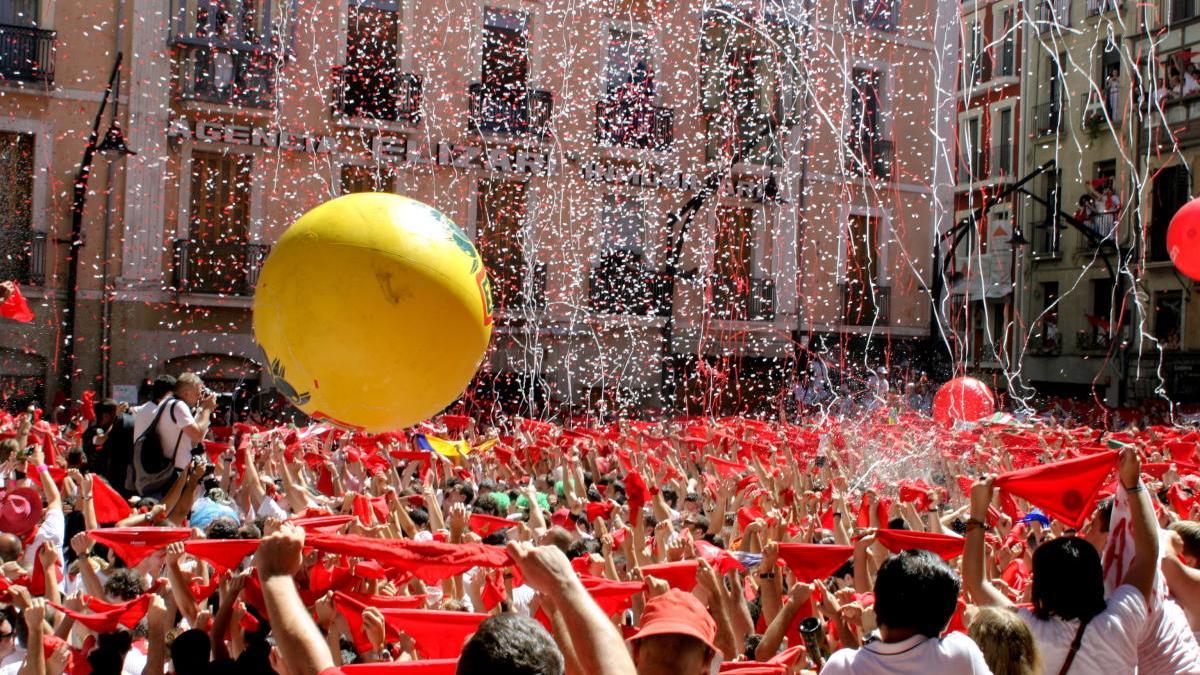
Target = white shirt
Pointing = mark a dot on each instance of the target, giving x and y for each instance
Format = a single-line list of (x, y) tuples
[(1168, 646), (920, 655), (11, 664), (170, 427), (1110, 642), (53, 529), (143, 415)]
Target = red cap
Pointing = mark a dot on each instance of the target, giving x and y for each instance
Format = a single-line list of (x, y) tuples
[(677, 613), (20, 510)]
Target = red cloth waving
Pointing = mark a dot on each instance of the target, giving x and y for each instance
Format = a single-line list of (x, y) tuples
[(437, 634), (724, 467), (222, 554), (135, 544), (432, 561), (637, 494), (110, 506), (1064, 490), (947, 546), (16, 308), (810, 562), (483, 524), (681, 575), (105, 617)]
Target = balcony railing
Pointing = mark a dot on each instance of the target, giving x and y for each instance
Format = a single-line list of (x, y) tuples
[(516, 295), (384, 96), (1052, 13), (1098, 7), (1001, 160), (873, 156), (866, 306), (217, 269), (634, 124), (979, 69), (1046, 237), (517, 112), (1047, 342), (1103, 225), (26, 54), (1048, 118), (617, 286), (1099, 110), (234, 77), (970, 168), (23, 255), (741, 299), (877, 14), (1092, 340)]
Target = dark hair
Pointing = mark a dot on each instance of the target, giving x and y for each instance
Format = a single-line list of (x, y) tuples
[(221, 527), (916, 589), (468, 493), (1068, 580), (191, 651), (107, 406), (487, 505), (108, 658), (419, 516), (509, 644), (124, 584), (163, 385)]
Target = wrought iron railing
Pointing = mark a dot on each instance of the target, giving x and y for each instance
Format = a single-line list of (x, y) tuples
[(370, 93), (1098, 7), (866, 305), (23, 256), (26, 54), (1048, 118), (634, 124), (514, 111), (1001, 159), (873, 156), (626, 287), (878, 14), (1051, 14), (217, 269), (741, 298)]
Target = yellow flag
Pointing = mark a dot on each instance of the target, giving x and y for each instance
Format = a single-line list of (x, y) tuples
[(486, 445), (447, 448)]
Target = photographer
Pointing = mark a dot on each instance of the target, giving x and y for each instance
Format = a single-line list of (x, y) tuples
[(178, 429)]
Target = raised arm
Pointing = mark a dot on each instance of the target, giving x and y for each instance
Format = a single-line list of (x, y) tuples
[(1142, 525), (979, 589), (300, 643)]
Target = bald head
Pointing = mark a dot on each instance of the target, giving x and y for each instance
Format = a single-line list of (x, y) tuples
[(10, 547)]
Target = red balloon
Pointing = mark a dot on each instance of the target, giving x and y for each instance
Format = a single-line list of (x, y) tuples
[(1183, 239), (963, 399)]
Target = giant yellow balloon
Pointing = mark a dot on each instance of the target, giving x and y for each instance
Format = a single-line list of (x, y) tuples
[(374, 311)]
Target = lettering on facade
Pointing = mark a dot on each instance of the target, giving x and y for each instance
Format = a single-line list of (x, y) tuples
[(210, 131)]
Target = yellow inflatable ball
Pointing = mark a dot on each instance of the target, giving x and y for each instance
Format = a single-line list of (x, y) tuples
[(374, 311)]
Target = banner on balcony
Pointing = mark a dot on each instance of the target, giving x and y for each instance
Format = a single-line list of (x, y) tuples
[(987, 275)]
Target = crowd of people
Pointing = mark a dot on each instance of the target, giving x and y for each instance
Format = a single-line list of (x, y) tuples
[(882, 543)]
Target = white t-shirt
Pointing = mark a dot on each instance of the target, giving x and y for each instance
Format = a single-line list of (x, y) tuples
[(1168, 646), (53, 529), (143, 415), (1110, 642), (11, 664), (920, 655), (170, 427)]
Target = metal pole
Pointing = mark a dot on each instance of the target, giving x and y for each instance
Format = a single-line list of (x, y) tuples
[(66, 373)]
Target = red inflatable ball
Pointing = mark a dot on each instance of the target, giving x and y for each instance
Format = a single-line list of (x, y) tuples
[(963, 399), (1183, 239)]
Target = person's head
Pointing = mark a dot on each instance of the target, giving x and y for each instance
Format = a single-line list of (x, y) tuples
[(190, 652), (188, 388), (510, 644), (916, 593), (163, 385), (1006, 642), (676, 636), (10, 548), (124, 585), (1187, 535), (106, 413), (1068, 580), (108, 658), (8, 630)]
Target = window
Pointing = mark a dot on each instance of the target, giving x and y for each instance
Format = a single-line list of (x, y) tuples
[(23, 13), (17, 255), (216, 257), (975, 59), (626, 115), (499, 224), (623, 224), (358, 178), (1006, 65), (1100, 317), (866, 142), (623, 279), (1168, 318), (229, 49), (863, 302), (1047, 225), (1182, 10), (1002, 146), (970, 151), (878, 14), (1048, 339), (372, 84), (1172, 189), (1048, 114), (501, 100), (733, 262)]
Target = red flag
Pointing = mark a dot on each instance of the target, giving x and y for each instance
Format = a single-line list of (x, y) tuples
[(810, 562), (483, 524), (135, 544), (16, 308), (87, 405), (1063, 490)]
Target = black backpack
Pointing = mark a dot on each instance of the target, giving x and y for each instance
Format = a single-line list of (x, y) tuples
[(152, 471)]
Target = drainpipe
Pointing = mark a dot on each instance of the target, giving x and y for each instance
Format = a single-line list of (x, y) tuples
[(109, 186)]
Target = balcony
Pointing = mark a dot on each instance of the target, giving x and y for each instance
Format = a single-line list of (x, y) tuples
[(1103, 225), (872, 156), (877, 14), (1098, 112), (26, 54), (869, 306), (23, 256), (1098, 7), (217, 269), (383, 96), (621, 285), (970, 169), (1046, 238), (1046, 342), (514, 112), (518, 292), (740, 299), (1001, 160), (978, 70), (1094, 339), (243, 25), (227, 76), (634, 124), (1047, 118), (1052, 14)]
